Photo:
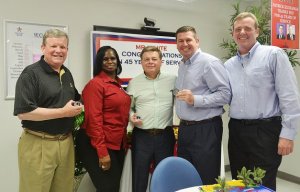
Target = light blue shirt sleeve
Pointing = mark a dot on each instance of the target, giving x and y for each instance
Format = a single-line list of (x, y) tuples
[(218, 83), (286, 88)]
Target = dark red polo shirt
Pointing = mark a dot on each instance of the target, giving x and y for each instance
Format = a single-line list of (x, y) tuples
[(106, 107)]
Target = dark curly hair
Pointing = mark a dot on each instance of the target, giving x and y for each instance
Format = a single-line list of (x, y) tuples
[(98, 62)]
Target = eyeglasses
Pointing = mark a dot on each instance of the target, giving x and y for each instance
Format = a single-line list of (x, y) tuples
[(175, 91)]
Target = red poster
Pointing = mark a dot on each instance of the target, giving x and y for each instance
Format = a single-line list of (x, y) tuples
[(285, 23)]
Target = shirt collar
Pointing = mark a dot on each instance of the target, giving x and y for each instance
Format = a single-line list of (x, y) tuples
[(47, 67), (192, 58), (157, 77), (250, 53), (108, 79)]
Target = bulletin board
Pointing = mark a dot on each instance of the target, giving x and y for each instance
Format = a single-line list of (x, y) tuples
[(23, 42)]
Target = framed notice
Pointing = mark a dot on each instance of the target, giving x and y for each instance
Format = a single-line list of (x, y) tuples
[(129, 43), (23, 42)]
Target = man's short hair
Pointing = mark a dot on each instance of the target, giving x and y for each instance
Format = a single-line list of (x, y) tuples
[(151, 49), (184, 29), (245, 15), (54, 33)]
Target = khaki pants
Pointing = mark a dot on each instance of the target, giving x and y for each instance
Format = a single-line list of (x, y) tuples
[(45, 166)]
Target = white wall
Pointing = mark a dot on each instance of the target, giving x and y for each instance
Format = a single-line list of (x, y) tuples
[(209, 18)]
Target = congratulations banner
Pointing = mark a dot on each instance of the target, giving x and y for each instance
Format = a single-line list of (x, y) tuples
[(129, 47)]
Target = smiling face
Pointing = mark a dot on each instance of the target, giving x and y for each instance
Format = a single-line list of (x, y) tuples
[(245, 34), (110, 62), (55, 51), (151, 63), (187, 44)]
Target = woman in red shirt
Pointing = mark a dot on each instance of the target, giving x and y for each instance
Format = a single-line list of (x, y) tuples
[(100, 141)]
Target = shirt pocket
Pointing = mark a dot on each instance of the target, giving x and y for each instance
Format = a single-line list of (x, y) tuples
[(260, 78), (166, 98)]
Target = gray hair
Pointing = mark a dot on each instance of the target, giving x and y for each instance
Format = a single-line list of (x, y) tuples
[(55, 33), (151, 49)]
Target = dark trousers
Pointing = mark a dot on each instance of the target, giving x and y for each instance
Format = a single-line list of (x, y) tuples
[(200, 144), (104, 181), (147, 148), (255, 144)]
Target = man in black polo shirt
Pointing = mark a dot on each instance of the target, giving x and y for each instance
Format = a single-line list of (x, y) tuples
[(45, 102)]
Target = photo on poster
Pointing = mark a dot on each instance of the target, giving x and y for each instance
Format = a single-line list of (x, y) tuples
[(290, 32), (280, 31)]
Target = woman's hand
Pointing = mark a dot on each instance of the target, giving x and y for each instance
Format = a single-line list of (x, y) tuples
[(104, 163)]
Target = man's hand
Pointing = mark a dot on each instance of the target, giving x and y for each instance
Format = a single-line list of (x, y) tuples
[(104, 163), (186, 95), (285, 146), (71, 110), (136, 120)]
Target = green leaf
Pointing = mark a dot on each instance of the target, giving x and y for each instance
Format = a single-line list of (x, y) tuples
[(251, 179), (79, 168)]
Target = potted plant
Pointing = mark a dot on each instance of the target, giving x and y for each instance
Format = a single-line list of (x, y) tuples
[(251, 179), (248, 181)]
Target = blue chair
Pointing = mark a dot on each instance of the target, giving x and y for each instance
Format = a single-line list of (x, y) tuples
[(172, 174)]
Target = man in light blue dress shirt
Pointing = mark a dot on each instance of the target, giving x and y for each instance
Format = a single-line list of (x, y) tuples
[(203, 88), (265, 105), (152, 115)]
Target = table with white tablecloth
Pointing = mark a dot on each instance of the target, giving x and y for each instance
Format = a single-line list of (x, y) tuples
[(190, 189)]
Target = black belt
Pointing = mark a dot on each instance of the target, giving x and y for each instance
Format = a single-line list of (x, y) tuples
[(185, 122), (153, 131), (257, 121)]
